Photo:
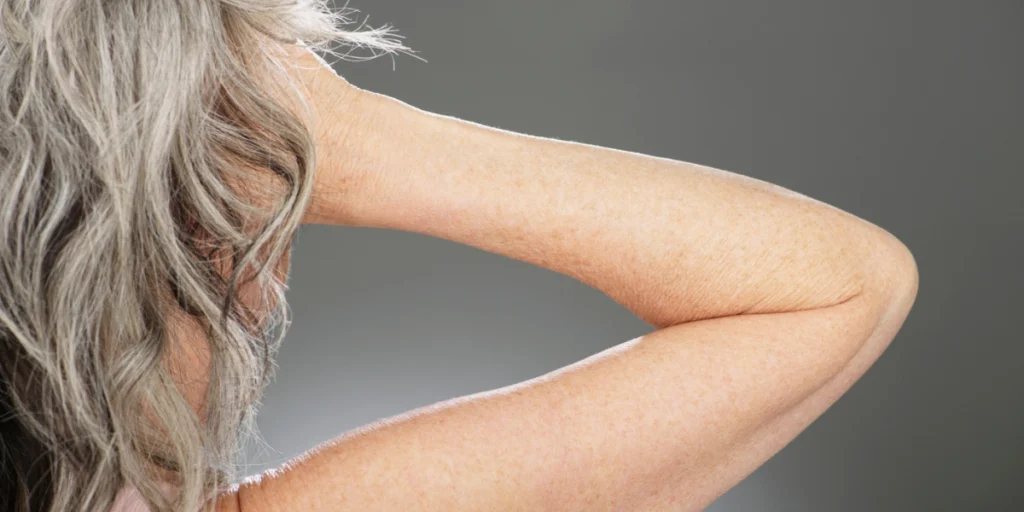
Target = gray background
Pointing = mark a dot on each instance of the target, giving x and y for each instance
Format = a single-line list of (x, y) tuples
[(907, 114)]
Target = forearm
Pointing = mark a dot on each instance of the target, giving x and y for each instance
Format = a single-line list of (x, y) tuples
[(669, 240)]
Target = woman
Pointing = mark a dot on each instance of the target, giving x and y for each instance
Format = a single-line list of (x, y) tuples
[(156, 159)]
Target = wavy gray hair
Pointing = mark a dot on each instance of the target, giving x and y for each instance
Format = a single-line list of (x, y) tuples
[(122, 126)]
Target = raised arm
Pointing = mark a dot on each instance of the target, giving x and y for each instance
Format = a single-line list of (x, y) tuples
[(768, 305), (670, 240)]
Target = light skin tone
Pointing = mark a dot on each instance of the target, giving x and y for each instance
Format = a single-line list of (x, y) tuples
[(767, 306)]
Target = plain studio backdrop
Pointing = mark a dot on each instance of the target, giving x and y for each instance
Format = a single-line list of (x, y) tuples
[(907, 114)]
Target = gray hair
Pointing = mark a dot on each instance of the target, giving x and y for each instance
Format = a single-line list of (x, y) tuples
[(122, 126)]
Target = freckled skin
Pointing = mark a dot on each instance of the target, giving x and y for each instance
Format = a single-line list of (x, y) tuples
[(768, 305)]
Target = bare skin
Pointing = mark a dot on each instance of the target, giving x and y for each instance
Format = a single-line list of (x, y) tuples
[(768, 306)]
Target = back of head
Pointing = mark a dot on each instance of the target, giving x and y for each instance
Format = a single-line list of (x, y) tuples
[(123, 124)]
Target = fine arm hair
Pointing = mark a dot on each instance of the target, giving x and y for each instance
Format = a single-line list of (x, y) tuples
[(767, 304), (151, 183)]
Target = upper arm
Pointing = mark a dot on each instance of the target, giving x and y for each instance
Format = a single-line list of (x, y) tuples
[(666, 421)]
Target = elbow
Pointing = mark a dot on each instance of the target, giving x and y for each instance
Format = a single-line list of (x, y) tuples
[(894, 275), (901, 287), (890, 289)]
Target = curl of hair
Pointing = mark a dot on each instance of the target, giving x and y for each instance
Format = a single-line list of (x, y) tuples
[(122, 126)]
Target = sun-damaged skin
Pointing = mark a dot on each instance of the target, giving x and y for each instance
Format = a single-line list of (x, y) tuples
[(768, 305)]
